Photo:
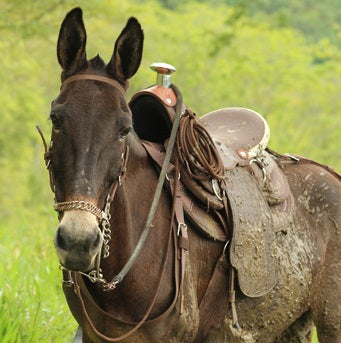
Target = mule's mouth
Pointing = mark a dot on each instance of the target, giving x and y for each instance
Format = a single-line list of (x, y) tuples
[(73, 263)]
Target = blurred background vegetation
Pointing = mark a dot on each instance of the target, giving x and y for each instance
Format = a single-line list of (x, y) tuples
[(280, 58)]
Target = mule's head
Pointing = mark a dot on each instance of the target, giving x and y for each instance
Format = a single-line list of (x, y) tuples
[(91, 121)]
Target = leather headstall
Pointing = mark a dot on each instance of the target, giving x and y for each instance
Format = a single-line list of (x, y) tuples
[(101, 78)]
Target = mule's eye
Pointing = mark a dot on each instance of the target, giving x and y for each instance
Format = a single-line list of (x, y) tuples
[(55, 122), (125, 131)]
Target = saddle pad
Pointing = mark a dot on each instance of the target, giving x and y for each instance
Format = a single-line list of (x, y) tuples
[(253, 234)]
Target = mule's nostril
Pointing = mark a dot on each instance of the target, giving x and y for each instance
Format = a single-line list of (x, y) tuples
[(60, 241), (93, 241)]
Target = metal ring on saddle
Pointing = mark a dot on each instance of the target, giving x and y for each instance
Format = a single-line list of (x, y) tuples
[(213, 181), (225, 247), (261, 165)]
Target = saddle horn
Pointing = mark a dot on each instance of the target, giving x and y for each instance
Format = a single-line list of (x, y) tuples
[(164, 72)]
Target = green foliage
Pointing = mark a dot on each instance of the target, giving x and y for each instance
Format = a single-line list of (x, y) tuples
[(224, 55), (315, 19)]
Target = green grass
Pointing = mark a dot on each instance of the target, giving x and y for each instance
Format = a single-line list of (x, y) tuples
[(32, 305)]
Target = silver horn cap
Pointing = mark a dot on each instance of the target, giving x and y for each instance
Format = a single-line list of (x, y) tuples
[(164, 72)]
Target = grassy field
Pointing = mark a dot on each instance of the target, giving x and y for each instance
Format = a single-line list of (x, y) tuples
[(32, 304), (33, 308)]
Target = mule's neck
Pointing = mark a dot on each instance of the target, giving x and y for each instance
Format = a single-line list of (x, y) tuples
[(134, 197), (129, 212)]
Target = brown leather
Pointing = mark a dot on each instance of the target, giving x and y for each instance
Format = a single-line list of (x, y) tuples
[(153, 112), (240, 135), (206, 222), (274, 185), (205, 195), (101, 78), (87, 313), (234, 130), (92, 315), (166, 95), (212, 308)]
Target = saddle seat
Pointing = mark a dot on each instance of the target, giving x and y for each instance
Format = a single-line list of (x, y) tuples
[(241, 137), (239, 134)]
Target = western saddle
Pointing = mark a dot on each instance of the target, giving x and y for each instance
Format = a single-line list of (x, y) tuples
[(239, 137)]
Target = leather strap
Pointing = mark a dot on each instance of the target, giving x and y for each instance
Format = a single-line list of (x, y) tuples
[(47, 158), (163, 173), (182, 234), (104, 79), (212, 308)]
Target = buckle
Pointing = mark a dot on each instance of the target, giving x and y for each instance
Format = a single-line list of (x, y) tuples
[(181, 226), (167, 177)]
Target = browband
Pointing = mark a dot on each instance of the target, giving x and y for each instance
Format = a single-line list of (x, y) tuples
[(105, 79)]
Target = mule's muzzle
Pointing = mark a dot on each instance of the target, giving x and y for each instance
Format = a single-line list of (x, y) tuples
[(78, 241), (89, 244)]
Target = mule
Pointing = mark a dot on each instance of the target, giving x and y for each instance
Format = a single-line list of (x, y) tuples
[(92, 128)]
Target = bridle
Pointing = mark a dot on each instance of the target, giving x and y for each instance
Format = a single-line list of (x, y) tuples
[(70, 278), (103, 216)]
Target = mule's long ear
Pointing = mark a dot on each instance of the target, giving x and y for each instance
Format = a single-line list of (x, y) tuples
[(71, 43), (127, 53)]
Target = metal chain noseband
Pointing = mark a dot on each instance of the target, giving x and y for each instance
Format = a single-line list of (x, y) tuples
[(79, 205), (106, 231)]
